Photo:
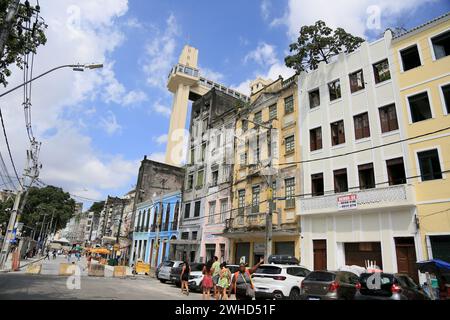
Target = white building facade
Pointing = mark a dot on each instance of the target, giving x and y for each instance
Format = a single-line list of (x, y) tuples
[(357, 204)]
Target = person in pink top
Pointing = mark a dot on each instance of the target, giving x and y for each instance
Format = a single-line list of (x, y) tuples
[(207, 282)]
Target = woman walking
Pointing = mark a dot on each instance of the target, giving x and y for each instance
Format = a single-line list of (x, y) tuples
[(207, 282), (224, 281), (242, 285), (185, 272)]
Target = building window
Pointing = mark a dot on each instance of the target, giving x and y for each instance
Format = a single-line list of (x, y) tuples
[(420, 108), (430, 167), (446, 94), (441, 45), (194, 235), (190, 182), (200, 178), (381, 71), (335, 90), (410, 58), (257, 154), (315, 138), (244, 125), (337, 133), (215, 178), (289, 144), (317, 185), (362, 127), (290, 193), (256, 190), (258, 117), (289, 105), (388, 118), (396, 171), (185, 236), (223, 209), (212, 211), (241, 202), (243, 159), (366, 176), (203, 152), (356, 81), (187, 210), (197, 209), (192, 156), (273, 112), (205, 125), (340, 181), (314, 98)]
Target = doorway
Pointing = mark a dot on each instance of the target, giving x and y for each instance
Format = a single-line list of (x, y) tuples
[(320, 254), (406, 257)]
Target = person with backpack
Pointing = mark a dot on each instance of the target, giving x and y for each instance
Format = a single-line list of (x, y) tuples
[(242, 285)]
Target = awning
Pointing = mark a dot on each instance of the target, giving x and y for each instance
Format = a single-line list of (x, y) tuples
[(434, 266)]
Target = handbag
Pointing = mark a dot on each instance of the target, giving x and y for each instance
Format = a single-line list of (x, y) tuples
[(249, 291)]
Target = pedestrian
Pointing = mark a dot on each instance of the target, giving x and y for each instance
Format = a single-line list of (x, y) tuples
[(69, 255), (89, 259), (224, 281), (207, 282), (78, 255), (242, 285), (184, 277), (54, 254), (47, 254), (215, 276)]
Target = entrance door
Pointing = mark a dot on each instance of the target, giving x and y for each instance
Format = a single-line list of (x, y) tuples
[(210, 251), (320, 254), (242, 252), (359, 253), (406, 257)]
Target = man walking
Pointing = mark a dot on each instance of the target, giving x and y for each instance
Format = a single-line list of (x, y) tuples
[(216, 276)]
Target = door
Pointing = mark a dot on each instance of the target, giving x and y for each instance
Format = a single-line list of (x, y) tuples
[(359, 253), (242, 252), (406, 257), (320, 254)]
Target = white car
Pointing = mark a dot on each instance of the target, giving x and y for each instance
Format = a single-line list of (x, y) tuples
[(277, 281), (163, 272)]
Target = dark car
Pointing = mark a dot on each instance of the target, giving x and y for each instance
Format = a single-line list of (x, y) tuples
[(283, 259), (329, 285), (175, 274), (388, 286)]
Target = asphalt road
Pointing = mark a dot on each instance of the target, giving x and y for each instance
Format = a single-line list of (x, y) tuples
[(15, 286)]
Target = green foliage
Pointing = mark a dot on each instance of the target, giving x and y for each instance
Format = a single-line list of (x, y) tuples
[(48, 200), (20, 40), (319, 43), (97, 207), (4, 212)]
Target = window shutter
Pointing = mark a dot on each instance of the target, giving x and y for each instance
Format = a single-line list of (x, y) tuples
[(384, 120), (366, 126), (392, 115), (319, 138)]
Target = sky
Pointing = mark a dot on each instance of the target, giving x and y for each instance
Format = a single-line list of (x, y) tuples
[(96, 126)]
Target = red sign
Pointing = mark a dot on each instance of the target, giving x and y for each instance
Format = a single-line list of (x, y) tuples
[(347, 202)]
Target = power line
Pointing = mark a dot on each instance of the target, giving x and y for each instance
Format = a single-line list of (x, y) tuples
[(9, 149)]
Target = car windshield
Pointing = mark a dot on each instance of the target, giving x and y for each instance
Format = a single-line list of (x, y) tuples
[(268, 270), (168, 264), (196, 267), (321, 276)]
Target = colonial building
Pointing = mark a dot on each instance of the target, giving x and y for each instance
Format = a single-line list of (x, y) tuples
[(421, 68), (357, 204), (208, 177), (273, 103)]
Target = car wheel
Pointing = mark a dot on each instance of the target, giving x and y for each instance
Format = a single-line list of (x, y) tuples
[(162, 280), (295, 294)]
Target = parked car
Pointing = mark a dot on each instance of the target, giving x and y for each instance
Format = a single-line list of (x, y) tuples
[(276, 281), (196, 277), (283, 259), (175, 274), (387, 286), (163, 272), (329, 285)]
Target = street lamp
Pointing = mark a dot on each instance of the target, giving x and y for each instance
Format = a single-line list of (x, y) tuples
[(74, 67)]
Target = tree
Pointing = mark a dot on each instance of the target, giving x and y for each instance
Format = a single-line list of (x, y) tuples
[(26, 33), (319, 43), (97, 207), (48, 200)]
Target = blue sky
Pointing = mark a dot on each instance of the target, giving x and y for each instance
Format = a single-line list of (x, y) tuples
[(97, 126)]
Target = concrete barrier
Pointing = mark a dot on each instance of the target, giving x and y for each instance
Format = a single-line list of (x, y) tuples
[(109, 271), (34, 269), (96, 270), (66, 269), (120, 272)]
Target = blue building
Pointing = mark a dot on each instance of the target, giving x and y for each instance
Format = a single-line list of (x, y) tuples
[(149, 215)]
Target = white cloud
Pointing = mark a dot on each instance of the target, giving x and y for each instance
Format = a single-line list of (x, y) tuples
[(158, 157), (264, 54), (265, 8), (134, 97), (160, 54), (83, 33), (110, 124), (162, 139), (134, 23), (211, 74), (158, 107), (303, 12)]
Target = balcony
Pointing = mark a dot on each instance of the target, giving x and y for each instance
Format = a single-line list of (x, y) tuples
[(247, 222), (370, 199)]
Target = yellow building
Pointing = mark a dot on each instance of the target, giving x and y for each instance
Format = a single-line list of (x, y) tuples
[(272, 103), (421, 60)]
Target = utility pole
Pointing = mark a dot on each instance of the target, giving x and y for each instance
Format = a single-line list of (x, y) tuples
[(9, 236), (6, 27)]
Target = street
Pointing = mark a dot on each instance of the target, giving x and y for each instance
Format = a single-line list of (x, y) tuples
[(50, 286)]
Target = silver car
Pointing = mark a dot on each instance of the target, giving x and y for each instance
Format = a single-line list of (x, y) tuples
[(163, 273)]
